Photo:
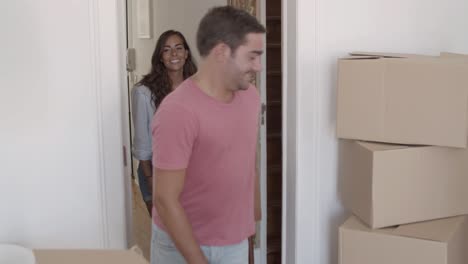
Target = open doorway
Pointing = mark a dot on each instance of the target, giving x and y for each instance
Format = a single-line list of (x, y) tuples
[(146, 20)]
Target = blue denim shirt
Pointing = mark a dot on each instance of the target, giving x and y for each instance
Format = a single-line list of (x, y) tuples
[(142, 114)]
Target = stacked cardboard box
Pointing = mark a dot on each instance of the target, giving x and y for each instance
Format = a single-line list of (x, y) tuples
[(404, 124)]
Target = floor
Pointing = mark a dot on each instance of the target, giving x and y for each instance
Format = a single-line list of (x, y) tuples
[(141, 222)]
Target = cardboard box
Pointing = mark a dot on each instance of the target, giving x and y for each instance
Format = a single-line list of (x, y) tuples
[(435, 242), (386, 184), (88, 257), (406, 99)]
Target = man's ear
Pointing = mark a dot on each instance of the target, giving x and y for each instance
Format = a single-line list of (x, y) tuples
[(222, 52)]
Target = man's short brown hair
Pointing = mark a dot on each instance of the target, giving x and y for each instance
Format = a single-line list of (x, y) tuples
[(228, 25)]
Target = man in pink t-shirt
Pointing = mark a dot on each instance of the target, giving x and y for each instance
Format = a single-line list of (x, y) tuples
[(206, 191)]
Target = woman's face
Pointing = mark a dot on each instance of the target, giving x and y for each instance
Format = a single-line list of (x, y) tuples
[(174, 53)]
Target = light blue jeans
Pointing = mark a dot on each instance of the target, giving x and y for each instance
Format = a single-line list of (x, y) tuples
[(144, 185), (163, 251)]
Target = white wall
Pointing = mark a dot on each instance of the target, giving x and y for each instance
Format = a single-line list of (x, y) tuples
[(62, 183), (180, 15), (326, 30)]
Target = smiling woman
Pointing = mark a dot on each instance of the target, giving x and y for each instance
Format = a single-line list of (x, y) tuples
[(171, 63), (174, 54)]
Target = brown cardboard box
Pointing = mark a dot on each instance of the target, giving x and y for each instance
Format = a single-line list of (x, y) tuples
[(387, 184), (88, 257), (408, 100), (442, 241)]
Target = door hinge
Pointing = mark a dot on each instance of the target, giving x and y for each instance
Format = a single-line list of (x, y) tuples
[(131, 59), (125, 156), (263, 112)]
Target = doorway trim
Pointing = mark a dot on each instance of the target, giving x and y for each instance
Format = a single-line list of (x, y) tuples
[(289, 116), (290, 131), (107, 55)]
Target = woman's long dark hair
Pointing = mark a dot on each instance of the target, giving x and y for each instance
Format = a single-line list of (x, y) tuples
[(157, 80)]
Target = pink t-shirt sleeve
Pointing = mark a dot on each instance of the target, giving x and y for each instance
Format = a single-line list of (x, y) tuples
[(174, 132)]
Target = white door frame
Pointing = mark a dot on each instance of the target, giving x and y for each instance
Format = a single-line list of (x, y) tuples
[(289, 155), (260, 254), (126, 139), (107, 30), (289, 130)]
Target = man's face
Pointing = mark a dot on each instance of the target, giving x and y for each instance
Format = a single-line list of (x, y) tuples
[(245, 62)]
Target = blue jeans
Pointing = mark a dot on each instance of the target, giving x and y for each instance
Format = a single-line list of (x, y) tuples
[(163, 251), (144, 186)]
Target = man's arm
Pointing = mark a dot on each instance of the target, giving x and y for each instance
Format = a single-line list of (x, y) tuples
[(167, 189)]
